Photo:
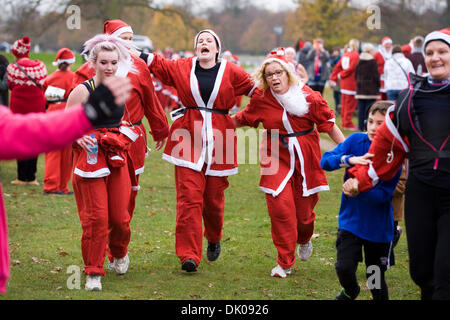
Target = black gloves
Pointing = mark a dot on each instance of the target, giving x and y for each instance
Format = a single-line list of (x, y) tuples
[(101, 109)]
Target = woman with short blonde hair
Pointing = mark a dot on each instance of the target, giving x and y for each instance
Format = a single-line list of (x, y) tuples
[(290, 112)]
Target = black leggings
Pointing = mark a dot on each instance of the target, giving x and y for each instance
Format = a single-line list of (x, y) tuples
[(349, 254), (26, 169), (427, 221)]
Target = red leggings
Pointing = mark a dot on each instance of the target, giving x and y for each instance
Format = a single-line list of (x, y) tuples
[(292, 219), (348, 106), (198, 197), (103, 210)]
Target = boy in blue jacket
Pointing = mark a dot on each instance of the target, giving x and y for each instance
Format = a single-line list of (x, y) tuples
[(365, 221)]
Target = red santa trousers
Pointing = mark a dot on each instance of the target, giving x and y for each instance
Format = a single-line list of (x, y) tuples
[(348, 106), (292, 218), (136, 153), (58, 164), (103, 210), (198, 196)]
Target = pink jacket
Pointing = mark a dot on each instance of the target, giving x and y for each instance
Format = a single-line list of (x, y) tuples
[(25, 136)]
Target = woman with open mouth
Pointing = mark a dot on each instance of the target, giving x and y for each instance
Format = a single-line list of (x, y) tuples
[(291, 175), (200, 144), (418, 128)]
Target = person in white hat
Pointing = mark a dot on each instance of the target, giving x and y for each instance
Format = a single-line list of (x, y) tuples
[(417, 127), (383, 54), (289, 110), (202, 144), (56, 87)]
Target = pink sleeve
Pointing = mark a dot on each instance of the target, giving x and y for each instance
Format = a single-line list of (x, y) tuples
[(4, 251), (23, 136)]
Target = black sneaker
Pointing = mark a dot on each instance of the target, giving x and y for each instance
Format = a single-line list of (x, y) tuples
[(344, 296), (213, 251), (189, 265)]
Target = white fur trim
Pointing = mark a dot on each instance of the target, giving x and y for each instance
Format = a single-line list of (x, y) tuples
[(123, 68), (117, 158), (119, 31), (390, 125), (348, 92), (294, 101), (284, 64), (139, 171), (129, 133), (135, 188), (183, 163), (103, 172), (59, 61), (150, 58), (436, 35), (221, 173), (373, 175)]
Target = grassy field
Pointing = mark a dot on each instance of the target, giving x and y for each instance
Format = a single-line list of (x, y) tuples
[(45, 231)]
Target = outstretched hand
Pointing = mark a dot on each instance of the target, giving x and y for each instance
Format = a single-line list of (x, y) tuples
[(362, 160)]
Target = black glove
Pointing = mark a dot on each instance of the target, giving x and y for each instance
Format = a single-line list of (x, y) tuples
[(101, 109)]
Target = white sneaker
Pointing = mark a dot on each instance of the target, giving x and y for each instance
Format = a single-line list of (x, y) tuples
[(93, 282), (304, 251), (121, 265), (279, 272)]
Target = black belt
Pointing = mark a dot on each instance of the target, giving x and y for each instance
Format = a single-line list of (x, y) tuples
[(283, 137), (56, 101), (183, 110), (428, 154), (137, 123)]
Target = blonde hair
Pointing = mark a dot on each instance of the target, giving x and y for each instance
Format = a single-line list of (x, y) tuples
[(261, 79), (106, 42), (367, 47), (354, 44)]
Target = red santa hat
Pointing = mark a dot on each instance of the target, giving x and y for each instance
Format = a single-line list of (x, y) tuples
[(386, 40), (215, 37), (116, 27), (64, 55), (278, 55), (442, 35), (21, 48)]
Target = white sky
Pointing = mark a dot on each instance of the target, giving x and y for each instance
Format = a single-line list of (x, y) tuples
[(273, 5)]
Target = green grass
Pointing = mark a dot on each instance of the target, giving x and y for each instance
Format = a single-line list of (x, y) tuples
[(47, 58), (45, 231)]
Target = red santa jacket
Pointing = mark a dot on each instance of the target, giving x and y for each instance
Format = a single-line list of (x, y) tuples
[(278, 162), (57, 87), (387, 141), (345, 70), (200, 137), (142, 100)]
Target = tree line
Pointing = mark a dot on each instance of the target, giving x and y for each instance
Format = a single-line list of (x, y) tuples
[(242, 26)]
